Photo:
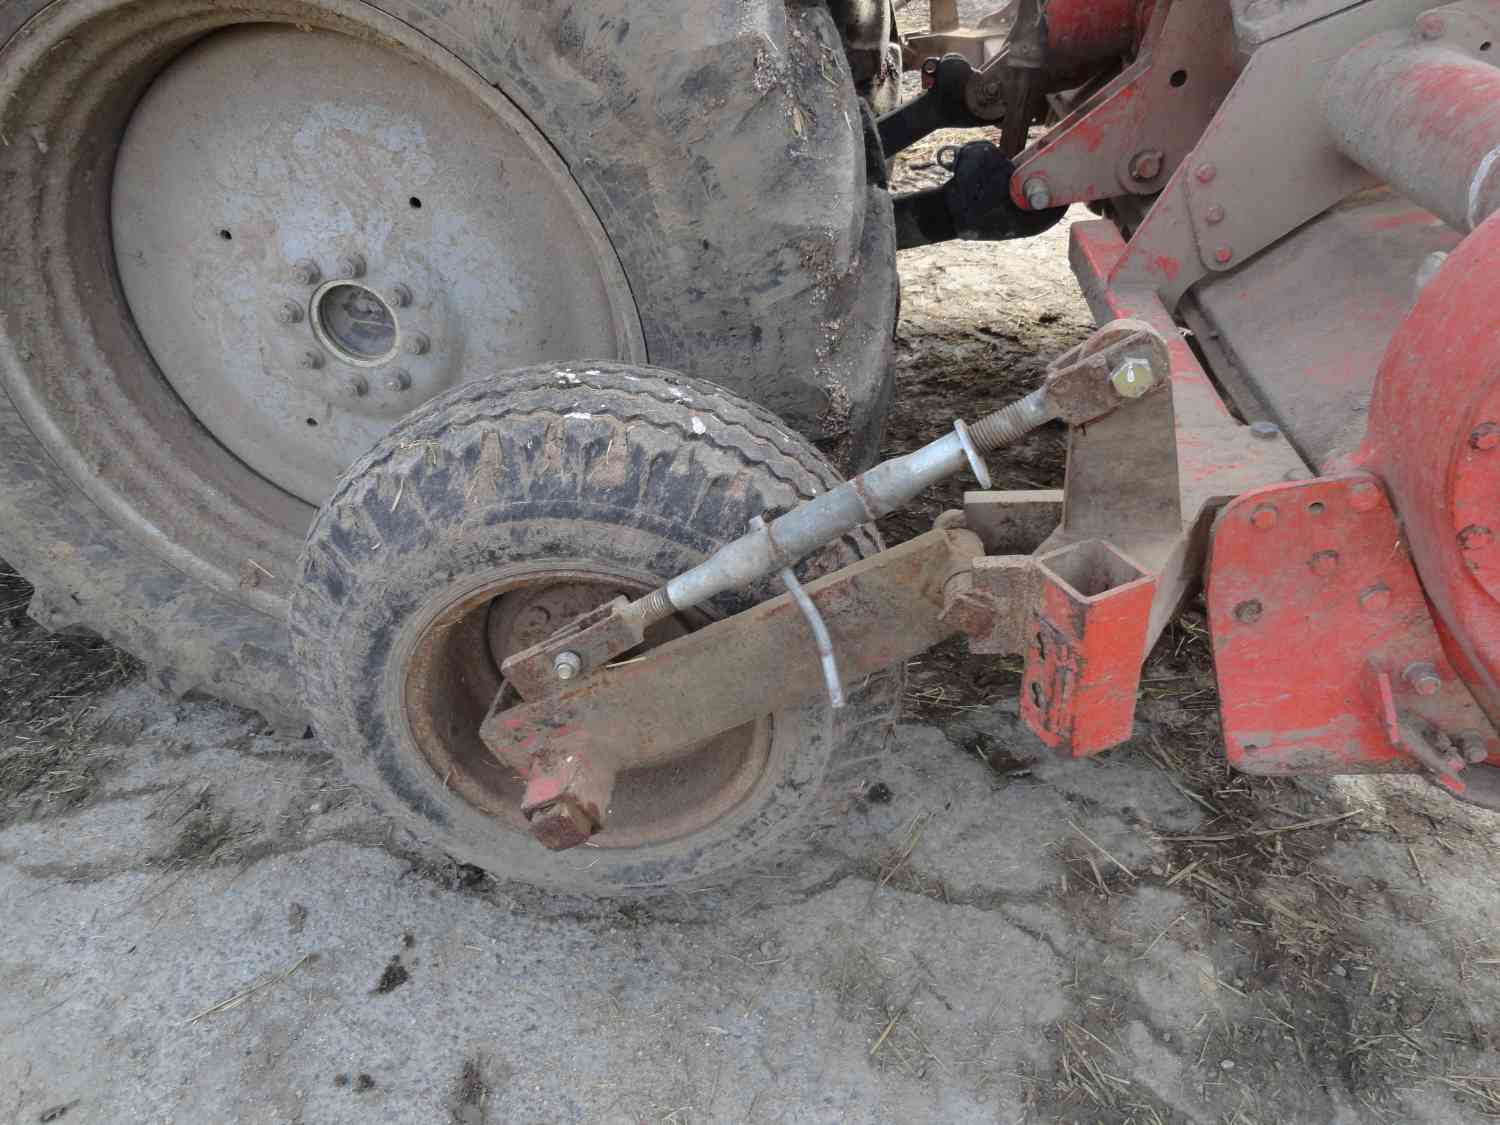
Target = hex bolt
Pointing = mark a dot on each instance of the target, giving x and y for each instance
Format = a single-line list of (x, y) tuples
[(1264, 517), (1133, 377), (1038, 195), (310, 361), (1475, 537), (398, 381), (1214, 215), (401, 296), (1248, 612), (1486, 436), (288, 313), (1324, 563), (1375, 597), (306, 272), (1364, 497), (1423, 678), (567, 665), (1146, 165), (357, 386), (416, 344), (1266, 431), (1206, 173), (1224, 255), (352, 265)]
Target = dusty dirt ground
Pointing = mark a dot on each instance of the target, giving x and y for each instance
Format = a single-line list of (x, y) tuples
[(205, 923)]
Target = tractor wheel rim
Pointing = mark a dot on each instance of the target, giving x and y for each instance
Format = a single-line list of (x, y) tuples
[(168, 344), (449, 677)]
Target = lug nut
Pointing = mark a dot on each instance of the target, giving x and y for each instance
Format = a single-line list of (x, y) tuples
[(416, 344), (351, 265), (310, 361), (401, 296), (1423, 678), (1146, 165), (288, 314), (1133, 377), (567, 665), (398, 381), (357, 386), (1248, 612), (1038, 195), (1224, 255), (306, 272)]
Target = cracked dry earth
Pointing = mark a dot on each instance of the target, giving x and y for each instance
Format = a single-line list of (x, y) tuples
[(203, 923)]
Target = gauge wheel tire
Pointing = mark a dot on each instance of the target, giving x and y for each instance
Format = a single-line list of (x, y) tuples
[(239, 241), (559, 481)]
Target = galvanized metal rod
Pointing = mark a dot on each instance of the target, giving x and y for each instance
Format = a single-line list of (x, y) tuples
[(887, 487), (826, 657)]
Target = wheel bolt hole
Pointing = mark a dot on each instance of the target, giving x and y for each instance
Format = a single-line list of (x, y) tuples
[(416, 204), (226, 235), (312, 422), (1178, 78), (1316, 507)]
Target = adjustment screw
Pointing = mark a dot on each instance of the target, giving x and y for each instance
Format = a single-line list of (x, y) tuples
[(357, 386), (398, 381), (352, 265), (306, 272), (1214, 215), (401, 296), (416, 344), (310, 361), (1375, 597), (287, 313), (1206, 173), (1133, 377), (567, 665), (1146, 165), (1423, 678), (1485, 437), (1223, 255), (1264, 517), (1038, 195), (1266, 431)]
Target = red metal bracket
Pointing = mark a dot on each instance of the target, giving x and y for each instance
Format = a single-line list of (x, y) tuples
[(1327, 656), (1088, 638)]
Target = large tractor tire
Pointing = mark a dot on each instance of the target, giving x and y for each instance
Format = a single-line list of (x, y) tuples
[(239, 242), (505, 508)]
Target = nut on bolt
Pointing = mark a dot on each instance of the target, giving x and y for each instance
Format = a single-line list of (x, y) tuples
[(1038, 194), (1132, 377), (1423, 678), (352, 265), (288, 313), (310, 361), (563, 824), (306, 272), (567, 665), (1146, 165), (416, 344)]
